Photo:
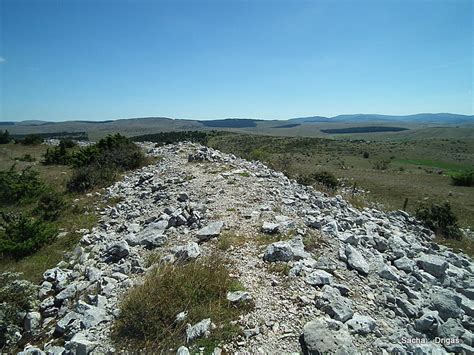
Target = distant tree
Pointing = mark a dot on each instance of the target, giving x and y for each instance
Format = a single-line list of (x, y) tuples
[(31, 139), (5, 137)]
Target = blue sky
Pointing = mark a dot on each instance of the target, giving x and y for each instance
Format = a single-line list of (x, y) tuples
[(104, 59)]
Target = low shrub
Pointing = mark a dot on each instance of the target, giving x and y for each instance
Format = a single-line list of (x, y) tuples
[(31, 139), (50, 205), (440, 219), (18, 186), (90, 177), (58, 155), (16, 297), (148, 311), (463, 179), (324, 178), (365, 155), (22, 235), (26, 157), (98, 165), (5, 137), (381, 164)]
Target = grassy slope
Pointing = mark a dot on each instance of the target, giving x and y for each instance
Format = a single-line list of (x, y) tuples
[(403, 179), (80, 213)]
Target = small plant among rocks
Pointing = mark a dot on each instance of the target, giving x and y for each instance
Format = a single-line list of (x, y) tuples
[(440, 219), (16, 297), (198, 290)]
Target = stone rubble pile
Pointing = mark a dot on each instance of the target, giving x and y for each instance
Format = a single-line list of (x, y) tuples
[(355, 280)]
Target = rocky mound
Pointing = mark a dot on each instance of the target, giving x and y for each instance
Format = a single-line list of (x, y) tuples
[(354, 280)]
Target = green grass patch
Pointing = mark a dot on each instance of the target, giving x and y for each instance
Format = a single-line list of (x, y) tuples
[(148, 311), (448, 167)]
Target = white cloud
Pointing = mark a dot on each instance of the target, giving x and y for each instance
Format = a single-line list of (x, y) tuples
[(2, 60)]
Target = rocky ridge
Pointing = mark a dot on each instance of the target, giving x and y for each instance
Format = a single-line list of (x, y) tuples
[(356, 280)]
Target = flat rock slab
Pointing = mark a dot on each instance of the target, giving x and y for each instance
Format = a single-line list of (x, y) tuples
[(212, 230)]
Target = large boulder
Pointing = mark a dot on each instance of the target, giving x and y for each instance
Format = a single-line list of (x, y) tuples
[(319, 278), (334, 304), (286, 251), (447, 303), (321, 338), (356, 261), (212, 230), (360, 324), (432, 264), (187, 252), (117, 251), (270, 228)]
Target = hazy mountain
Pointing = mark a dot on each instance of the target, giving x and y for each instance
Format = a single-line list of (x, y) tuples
[(447, 118)]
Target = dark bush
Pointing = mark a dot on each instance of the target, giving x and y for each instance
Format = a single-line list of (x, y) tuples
[(91, 176), (365, 155), (99, 164), (22, 236), (59, 155), (324, 178), (5, 137), (17, 187), (381, 164), (440, 219), (26, 157), (50, 205), (463, 179), (32, 139)]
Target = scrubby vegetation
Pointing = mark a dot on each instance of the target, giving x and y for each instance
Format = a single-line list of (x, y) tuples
[(21, 235), (324, 178), (463, 179), (16, 297), (31, 139), (148, 312), (60, 154), (19, 186), (174, 137), (98, 165), (440, 219), (5, 137)]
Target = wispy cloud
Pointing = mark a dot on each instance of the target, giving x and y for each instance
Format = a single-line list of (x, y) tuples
[(2, 60)]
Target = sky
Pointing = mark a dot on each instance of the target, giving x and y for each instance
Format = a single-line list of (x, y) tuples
[(103, 59)]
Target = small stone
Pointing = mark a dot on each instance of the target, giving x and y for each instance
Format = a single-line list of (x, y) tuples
[(201, 329)]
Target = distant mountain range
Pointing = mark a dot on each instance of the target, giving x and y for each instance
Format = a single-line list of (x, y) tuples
[(446, 118), (441, 118)]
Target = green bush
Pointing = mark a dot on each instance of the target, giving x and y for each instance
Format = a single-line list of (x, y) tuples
[(50, 205), (463, 179), (26, 157), (31, 139), (22, 236), (324, 178), (5, 137), (59, 155), (16, 297), (90, 177), (16, 187), (365, 155), (381, 164), (98, 165), (440, 219), (148, 311)]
